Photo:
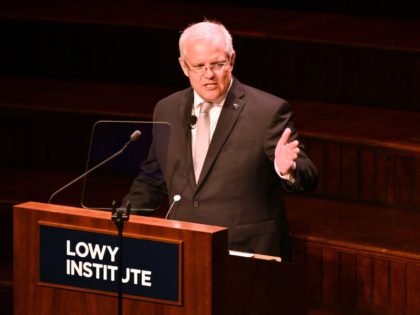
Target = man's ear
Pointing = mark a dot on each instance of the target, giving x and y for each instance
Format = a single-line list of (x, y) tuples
[(232, 60), (183, 66)]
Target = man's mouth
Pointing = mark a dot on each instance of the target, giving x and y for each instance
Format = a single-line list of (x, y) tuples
[(210, 85)]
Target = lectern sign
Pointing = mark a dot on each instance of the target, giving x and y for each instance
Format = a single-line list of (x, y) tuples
[(79, 259)]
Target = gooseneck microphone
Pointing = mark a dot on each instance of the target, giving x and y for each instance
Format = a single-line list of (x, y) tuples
[(175, 200), (134, 136)]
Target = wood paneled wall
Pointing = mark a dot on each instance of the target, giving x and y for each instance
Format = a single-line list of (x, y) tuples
[(367, 173), (330, 58), (351, 279)]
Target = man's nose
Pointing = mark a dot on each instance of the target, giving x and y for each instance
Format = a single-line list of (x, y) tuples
[(209, 72)]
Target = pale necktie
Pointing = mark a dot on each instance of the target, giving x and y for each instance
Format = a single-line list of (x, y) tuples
[(202, 138)]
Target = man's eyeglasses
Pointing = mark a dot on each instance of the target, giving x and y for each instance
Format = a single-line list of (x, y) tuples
[(201, 69)]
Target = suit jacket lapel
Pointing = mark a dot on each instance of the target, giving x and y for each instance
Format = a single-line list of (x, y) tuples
[(231, 110), (184, 141), (186, 110)]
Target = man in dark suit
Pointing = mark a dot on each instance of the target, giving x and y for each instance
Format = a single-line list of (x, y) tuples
[(252, 157)]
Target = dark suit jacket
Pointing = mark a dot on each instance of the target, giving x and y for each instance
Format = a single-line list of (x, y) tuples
[(238, 187)]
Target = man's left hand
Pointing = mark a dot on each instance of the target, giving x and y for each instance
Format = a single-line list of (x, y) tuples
[(286, 153)]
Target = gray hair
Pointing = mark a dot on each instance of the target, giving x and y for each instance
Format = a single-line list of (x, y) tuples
[(206, 30)]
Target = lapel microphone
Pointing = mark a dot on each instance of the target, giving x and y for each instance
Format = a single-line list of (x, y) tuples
[(192, 122)]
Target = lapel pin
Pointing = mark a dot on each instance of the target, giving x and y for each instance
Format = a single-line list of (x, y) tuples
[(235, 106)]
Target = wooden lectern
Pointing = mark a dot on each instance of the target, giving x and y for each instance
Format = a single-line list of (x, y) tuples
[(195, 274)]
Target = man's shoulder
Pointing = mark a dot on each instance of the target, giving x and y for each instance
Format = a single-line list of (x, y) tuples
[(176, 96), (251, 91), (255, 94)]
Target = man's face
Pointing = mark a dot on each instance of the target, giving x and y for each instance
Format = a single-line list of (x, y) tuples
[(208, 68)]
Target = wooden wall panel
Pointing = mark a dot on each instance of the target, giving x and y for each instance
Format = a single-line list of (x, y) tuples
[(364, 76), (416, 183), (383, 177), (413, 289), (303, 62), (404, 176), (348, 280), (398, 289), (91, 51), (350, 175), (364, 282), (358, 281), (331, 175), (413, 82), (315, 149), (330, 280), (337, 74), (381, 285), (368, 76), (315, 274), (400, 90), (299, 251), (45, 140), (366, 173)]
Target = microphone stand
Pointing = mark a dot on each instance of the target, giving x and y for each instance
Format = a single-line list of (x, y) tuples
[(134, 136), (119, 216)]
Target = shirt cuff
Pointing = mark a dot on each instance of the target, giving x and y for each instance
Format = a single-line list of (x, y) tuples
[(287, 177)]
